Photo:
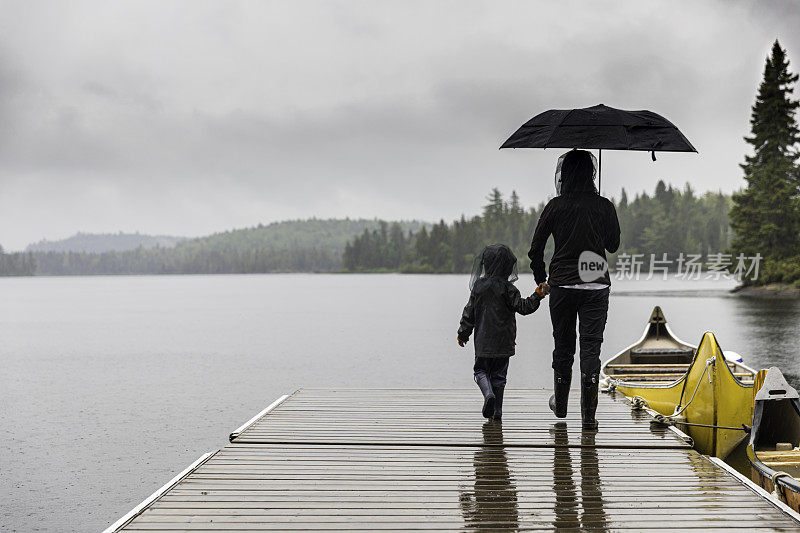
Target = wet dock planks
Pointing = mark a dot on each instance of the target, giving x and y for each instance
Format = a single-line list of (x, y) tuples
[(400, 460), (446, 418)]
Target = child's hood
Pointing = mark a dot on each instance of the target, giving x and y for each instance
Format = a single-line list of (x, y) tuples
[(495, 261), (499, 262)]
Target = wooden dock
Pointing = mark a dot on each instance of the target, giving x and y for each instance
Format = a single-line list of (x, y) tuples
[(426, 460)]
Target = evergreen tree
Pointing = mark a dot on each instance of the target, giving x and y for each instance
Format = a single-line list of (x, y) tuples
[(422, 246), (493, 215), (17, 264), (396, 246), (516, 220), (495, 208), (623, 199), (765, 215)]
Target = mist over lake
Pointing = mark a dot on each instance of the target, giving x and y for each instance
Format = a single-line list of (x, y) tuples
[(112, 385)]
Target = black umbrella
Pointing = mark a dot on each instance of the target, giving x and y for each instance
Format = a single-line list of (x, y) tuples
[(603, 128)]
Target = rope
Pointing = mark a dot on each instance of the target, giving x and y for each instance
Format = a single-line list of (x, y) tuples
[(612, 386), (638, 403), (679, 409), (744, 427), (777, 491)]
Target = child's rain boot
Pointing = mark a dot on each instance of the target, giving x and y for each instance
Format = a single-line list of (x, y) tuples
[(488, 396), (498, 402)]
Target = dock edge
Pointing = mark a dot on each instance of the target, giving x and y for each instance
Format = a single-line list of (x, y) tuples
[(139, 509), (755, 488), (238, 431)]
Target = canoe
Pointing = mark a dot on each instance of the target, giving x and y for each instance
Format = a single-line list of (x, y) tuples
[(696, 388), (775, 437)]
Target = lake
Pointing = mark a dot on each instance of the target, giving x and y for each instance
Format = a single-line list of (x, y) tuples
[(112, 385)]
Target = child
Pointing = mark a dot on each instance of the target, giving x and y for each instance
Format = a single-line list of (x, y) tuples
[(493, 302)]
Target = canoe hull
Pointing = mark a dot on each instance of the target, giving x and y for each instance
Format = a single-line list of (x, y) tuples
[(710, 395), (761, 475), (709, 391), (774, 446)]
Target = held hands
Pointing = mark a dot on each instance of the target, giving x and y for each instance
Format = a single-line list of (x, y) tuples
[(542, 290)]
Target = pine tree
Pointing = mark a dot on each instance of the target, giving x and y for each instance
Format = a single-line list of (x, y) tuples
[(516, 223), (766, 215), (623, 200), (396, 246), (422, 246), (493, 213)]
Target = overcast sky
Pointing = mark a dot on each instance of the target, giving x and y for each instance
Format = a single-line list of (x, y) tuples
[(193, 117)]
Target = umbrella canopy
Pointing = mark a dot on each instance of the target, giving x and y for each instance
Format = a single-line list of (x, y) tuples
[(600, 127)]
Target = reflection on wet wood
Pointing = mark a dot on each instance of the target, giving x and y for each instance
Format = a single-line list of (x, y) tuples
[(554, 477)]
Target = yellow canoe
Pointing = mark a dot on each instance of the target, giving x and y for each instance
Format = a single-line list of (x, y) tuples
[(697, 389)]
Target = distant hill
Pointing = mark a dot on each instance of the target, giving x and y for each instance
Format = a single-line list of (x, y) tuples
[(327, 234), (97, 243), (312, 245)]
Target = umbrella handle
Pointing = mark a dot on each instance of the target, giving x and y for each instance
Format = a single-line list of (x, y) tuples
[(599, 171)]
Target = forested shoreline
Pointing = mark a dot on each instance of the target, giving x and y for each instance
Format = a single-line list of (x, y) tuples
[(671, 221), (17, 264), (668, 221), (312, 245)]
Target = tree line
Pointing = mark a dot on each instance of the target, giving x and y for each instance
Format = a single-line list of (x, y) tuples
[(187, 260), (313, 245), (104, 242), (671, 221), (17, 264)]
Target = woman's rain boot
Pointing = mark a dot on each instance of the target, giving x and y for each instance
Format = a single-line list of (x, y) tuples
[(558, 401), (488, 396), (498, 402), (589, 388)]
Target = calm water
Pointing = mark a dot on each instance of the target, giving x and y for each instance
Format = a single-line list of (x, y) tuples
[(111, 385)]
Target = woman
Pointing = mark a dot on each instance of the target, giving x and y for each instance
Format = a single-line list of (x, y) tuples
[(583, 225)]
